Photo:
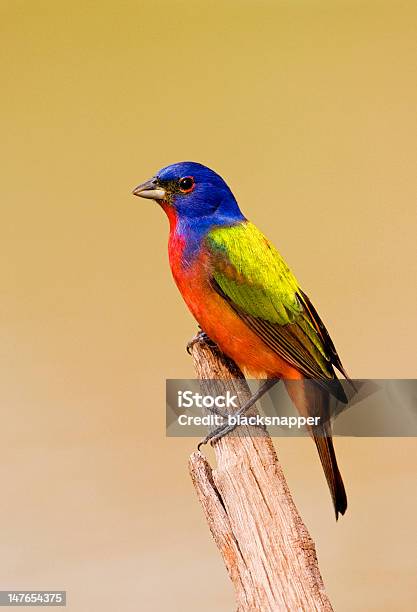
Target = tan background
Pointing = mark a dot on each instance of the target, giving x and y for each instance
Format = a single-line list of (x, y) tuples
[(309, 111)]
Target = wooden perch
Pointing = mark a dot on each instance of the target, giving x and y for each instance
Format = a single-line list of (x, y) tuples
[(267, 550)]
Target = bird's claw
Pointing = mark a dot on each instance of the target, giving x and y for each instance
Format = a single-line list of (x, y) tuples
[(222, 431), (199, 337), (215, 435)]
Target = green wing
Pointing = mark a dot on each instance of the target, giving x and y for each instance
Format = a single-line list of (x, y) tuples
[(253, 278)]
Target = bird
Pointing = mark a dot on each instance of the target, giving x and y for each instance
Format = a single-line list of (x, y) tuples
[(246, 299)]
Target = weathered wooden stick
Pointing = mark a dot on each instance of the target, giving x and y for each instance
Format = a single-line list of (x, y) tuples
[(267, 550)]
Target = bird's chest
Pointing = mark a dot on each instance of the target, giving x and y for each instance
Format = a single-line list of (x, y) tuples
[(191, 274)]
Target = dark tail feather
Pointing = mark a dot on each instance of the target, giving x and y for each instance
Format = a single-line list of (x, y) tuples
[(312, 400), (327, 456)]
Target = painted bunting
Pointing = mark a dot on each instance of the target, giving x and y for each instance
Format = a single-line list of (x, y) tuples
[(246, 299)]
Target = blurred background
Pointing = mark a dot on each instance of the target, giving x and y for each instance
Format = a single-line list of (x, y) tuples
[(308, 109)]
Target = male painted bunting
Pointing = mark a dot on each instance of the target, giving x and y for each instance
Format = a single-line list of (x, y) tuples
[(246, 299)]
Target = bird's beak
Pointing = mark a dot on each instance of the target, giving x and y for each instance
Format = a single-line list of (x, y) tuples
[(151, 190)]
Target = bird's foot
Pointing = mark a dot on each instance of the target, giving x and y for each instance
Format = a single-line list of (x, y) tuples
[(199, 337), (223, 430)]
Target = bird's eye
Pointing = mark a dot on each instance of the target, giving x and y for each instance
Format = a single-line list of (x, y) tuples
[(186, 184)]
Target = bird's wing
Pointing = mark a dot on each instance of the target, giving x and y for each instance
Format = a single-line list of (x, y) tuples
[(250, 274)]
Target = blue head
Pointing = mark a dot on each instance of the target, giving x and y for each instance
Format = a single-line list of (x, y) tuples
[(197, 197)]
